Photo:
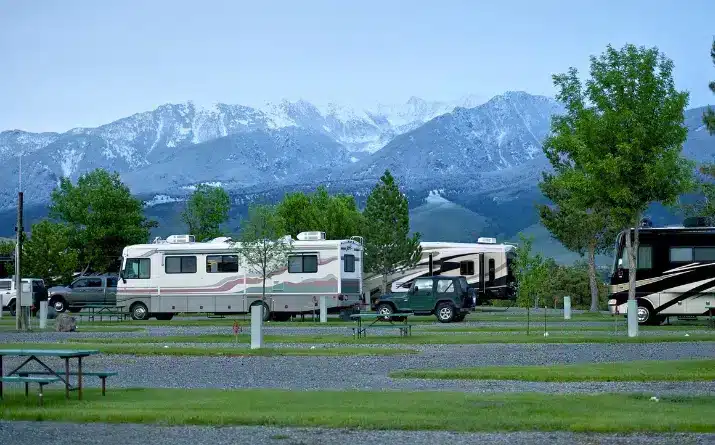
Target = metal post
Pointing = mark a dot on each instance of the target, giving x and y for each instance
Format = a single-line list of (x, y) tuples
[(43, 314), (256, 326), (20, 322), (323, 309), (632, 318), (567, 308)]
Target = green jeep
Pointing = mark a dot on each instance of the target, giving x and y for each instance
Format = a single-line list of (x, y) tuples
[(448, 298)]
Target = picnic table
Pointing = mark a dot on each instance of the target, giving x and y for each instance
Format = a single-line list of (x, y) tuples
[(361, 330), (42, 378), (103, 310)]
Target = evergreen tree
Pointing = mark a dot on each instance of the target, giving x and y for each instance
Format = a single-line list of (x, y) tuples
[(709, 116), (388, 246), (47, 253)]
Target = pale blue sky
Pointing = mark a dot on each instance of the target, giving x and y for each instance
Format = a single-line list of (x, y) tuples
[(70, 63)]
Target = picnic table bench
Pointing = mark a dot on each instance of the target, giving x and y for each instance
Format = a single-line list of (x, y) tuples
[(361, 331), (103, 310), (22, 375)]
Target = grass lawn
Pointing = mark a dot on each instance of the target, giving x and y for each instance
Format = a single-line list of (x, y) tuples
[(415, 339), (374, 410), (635, 371), (223, 351)]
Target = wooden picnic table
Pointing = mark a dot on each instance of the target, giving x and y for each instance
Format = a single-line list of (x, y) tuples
[(33, 355), (361, 331)]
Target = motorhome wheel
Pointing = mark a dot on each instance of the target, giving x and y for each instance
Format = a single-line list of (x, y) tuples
[(139, 311), (266, 310)]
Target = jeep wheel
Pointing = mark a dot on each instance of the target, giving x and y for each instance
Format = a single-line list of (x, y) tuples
[(445, 312), (385, 310)]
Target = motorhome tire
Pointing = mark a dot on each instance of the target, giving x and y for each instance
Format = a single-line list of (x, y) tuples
[(266, 310), (139, 311), (445, 312), (645, 313), (385, 309), (59, 304)]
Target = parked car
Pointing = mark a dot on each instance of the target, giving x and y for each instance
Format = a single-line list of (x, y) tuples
[(8, 294), (87, 290), (448, 298)]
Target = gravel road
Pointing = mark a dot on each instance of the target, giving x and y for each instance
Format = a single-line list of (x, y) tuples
[(43, 433), (371, 372)]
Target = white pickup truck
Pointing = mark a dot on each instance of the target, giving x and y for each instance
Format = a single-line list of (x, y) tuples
[(8, 293)]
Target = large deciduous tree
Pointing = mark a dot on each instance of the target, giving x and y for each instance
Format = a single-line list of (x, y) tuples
[(388, 246), (261, 245), (205, 211), (624, 132), (584, 231), (337, 215), (48, 254), (102, 218)]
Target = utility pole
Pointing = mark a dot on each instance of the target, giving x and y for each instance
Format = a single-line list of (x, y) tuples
[(21, 316)]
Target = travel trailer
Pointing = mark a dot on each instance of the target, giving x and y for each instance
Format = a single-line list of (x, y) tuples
[(488, 267), (675, 272), (178, 274)]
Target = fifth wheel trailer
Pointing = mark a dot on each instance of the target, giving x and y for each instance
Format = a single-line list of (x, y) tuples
[(487, 265)]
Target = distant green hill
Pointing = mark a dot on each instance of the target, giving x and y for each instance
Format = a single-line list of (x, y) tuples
[(439, 219)]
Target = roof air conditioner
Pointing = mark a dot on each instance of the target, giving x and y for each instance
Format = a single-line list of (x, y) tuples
[(311, 236), (180, 239), (483, 240)]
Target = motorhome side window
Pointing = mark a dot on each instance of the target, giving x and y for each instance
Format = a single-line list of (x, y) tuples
[(180, 264), (466, 268), (303, 264), (137, 269), (692, 254), (645, 257), (349, 263), (221, 263)]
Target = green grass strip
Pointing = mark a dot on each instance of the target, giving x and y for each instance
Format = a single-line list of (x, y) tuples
[(415, 339), (391, 410), (634, 371), (223, 351)]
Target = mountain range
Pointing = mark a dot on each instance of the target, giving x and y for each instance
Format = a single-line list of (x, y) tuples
[(469, 167)]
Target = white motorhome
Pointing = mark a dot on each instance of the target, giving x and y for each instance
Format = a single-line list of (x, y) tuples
[(486, 265), (178, 274)]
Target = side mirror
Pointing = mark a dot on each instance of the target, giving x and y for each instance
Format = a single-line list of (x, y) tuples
[(121, 275)]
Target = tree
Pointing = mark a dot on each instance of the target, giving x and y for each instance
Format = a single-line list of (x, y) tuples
[(7, 248), (260, 243), (388, 246), (623, 134), (586, 232), (531, 273), (206, 210), (709, 115), (102, 217), (338, 215), (48, 254)]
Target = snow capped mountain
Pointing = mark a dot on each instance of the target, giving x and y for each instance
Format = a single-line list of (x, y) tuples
[(503, 134)]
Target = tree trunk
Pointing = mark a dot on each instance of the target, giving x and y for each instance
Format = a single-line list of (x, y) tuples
[(632, 249), (592, 276)]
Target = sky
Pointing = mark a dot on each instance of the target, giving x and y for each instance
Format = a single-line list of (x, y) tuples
[(72, 63)]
